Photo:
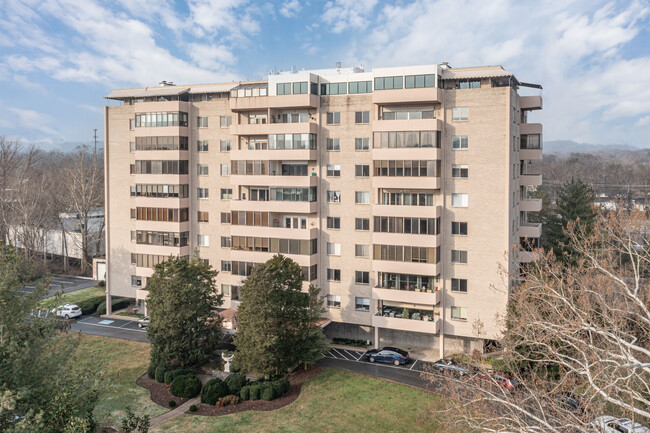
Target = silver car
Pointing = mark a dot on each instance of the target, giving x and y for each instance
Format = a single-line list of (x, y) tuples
[(609, 424)]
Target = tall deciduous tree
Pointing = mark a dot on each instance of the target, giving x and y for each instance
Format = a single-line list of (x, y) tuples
[(277, 322), (182, 303), (42, 385)]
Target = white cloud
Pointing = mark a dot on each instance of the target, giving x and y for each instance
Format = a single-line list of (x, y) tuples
[(30, 119), (290, 8), (344, 14)]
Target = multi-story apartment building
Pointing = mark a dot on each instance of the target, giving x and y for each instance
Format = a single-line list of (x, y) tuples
[(401, 192)]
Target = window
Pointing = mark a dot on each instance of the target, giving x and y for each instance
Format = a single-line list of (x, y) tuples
[(362, 277), (458, 228), (469, 84), (136, 281), (333, 249), (333, 88), (333, 223), (459, 285), (459, 171), (225, 169), (459, 256), (131, 124), (131, 146), (225, 242), (226, 218), (202, 169), (333, 144), (203, 217), (419, 81), (334, 196), (160, 119), (362, 117), (362, 304), (333, 118), (160, 167), (202, 193), (459, 142), (226, 266), (458, 313), (225, 121), (226, 193), (203, 240), (333, 170), (201, 122), (388, 83), (362, 250), (459, 200), (406, 139), (133, 214), (333, 274), (362, 224), (362, 170), (362, 197), (284, 88), (202, 146), (300, 88), (225, 289), (422, 226), (225, 145), (334, 301), (460, 113), (360, 87), (361, 144)]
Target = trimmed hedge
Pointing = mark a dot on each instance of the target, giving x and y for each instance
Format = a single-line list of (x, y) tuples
[(193, 408), (245, 393), (172, 403), (170, 375), (151, 371), (213, 390), (254, 392), (186, 386), (278, 390), (285, 385), (117, 303), (160, 374), (267, 394), (236, 382), (89, 306)]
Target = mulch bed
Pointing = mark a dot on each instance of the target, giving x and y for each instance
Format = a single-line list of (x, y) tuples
[(159, 392), (161, 395)]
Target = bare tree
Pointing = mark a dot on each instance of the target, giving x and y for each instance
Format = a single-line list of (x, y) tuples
[(582, 329)]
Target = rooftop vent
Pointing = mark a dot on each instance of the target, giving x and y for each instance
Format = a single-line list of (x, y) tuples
[(166, 83)]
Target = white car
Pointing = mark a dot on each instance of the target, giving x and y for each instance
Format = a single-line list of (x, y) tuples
[(68, 311), (144, 322), (609, 424)]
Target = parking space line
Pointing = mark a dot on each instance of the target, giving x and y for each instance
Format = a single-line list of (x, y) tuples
[(353, 356), (122, 326), (361, 356), (413, 365), (342, 355), (84, 320), (114, 327)]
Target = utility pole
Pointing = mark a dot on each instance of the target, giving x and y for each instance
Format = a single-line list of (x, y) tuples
[(95, 139)]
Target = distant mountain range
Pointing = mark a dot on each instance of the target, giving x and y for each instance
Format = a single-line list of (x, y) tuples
[(568, 146), (64, 146)]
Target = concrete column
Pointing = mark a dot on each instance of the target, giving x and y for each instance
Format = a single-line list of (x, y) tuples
[(376, 337), (109, 304)]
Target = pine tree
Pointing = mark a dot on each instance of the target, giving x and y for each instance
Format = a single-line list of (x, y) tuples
[(182, 303), (277, 321)]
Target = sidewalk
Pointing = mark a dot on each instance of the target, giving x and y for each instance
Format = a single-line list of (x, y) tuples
[(115, 316), (180, 410)]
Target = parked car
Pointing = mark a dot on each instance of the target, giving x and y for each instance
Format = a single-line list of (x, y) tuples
[(452, 366), (609, 424), (501, 379), (391, 355), (570, 402), (68, 311), (144, 322)]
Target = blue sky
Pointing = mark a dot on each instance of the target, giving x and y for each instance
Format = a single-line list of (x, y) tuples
[(58, 58)]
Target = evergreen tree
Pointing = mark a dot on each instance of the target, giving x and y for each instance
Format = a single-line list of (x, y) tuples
[(183, 307), (44, 387), (278, 322), (574, 204)]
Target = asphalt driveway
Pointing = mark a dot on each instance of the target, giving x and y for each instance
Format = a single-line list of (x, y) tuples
[(113, 328), (65, 284)]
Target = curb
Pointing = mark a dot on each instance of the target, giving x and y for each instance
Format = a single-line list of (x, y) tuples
[(73, 276)]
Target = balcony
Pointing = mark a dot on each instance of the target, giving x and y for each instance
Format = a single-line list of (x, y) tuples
[(162, 250), (273, 232), (530, 205), (279, 101), (530, 179), (410, 325), (530, 154), (405, 96), (162, 179), (162, 226), (299, 207), (530, 129), (407, 211), (274, 128), (407, 296), (530, 230), (275, 154), (414, 240), (411, 182), (274, 180), (263, 256), (530, 102), (407, 125), (414, 153), (415, 268), (527, 256)]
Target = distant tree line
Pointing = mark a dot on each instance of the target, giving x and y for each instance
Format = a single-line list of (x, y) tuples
[(39, 190)]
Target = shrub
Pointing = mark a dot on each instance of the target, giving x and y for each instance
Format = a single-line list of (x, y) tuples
[(278, 389), (285, 385), (117, 303), (160, 373), (254, 392), (193, 408), (235, 383), (213, 390), (151, 371), (228, 400), (89, 306), (186, 386), (267, 394), (170, 375), (101, 283), (172, 403), (245, 392)]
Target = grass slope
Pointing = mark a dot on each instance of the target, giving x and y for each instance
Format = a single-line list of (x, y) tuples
[(73, 297), (333, 402)]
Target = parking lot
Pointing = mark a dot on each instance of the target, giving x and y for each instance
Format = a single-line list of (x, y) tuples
[(65, 284), (114, 328), (414, 365)]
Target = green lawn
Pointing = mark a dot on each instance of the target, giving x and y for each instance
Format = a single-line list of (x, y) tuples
[(73, 297), (125, 314), (335, 401), (121, 362)]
